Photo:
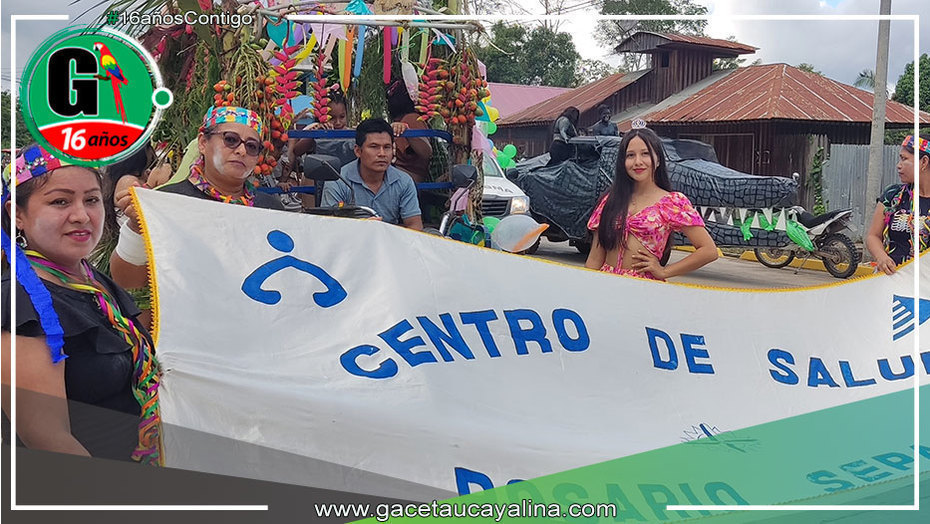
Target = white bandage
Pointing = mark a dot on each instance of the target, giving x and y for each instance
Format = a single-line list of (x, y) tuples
[(131, 246)]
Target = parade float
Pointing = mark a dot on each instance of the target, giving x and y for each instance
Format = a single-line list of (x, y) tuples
[(285, 61)]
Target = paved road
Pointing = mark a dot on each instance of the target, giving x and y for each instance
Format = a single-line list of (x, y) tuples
[(724, 272)]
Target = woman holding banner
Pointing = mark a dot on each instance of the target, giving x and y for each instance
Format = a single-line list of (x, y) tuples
[(634, 221), (890, 235), (229, 144), (85, 367)]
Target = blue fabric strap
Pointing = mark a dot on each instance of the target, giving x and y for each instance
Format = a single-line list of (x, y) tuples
[(40, 297), (350, 133)]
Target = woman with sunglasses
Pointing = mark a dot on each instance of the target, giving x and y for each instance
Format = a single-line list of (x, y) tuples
[(229, 143)]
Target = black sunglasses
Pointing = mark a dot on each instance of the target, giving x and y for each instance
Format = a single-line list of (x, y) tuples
[(232, 141)]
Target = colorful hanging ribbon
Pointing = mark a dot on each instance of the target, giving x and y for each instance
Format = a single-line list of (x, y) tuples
[(346, 71), (387, 54), (358, 7), (328, 52), (424, 46), (359, 52), (341, 67), (405, 47), (146, 374)]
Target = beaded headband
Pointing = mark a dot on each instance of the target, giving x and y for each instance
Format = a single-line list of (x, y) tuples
[(32, 162), (924, 145), (231, 114)]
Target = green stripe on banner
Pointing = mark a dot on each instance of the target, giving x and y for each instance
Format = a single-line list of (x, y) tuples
[(855, 454)]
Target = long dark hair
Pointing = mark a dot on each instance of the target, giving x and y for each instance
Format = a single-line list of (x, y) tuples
[(398, 101), (135, 164), (617, 206), (571, 113), (337, 96)]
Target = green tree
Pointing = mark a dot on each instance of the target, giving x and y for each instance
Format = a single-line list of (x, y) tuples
[(593, 70), (732, 63), (865, 79), (611, 32), (502, 56), (804, 66), (550, 58), (904, 88), (904, 93), (23, 137), (538, 56)]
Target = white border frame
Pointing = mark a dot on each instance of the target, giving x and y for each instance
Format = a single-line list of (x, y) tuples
[(494, 18)]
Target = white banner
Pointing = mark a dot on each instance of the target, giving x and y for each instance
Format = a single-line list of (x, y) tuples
[(393, 352)]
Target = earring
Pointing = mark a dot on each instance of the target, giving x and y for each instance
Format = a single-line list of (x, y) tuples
[(21, 240)]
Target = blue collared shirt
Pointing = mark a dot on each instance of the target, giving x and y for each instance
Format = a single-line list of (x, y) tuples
[(395, 201)]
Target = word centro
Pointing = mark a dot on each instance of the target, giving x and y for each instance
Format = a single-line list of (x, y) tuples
[(233, 20), (525, 326)]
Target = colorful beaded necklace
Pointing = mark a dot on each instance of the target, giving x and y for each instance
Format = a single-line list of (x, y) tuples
[(201, 183), (906, 194)]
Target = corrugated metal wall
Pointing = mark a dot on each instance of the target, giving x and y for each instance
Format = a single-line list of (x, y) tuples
[(844, 180)]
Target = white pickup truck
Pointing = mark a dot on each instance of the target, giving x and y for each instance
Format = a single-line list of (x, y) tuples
[(501, 197)]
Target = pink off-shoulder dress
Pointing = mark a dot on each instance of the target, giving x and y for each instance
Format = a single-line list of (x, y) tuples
[(652, 226)]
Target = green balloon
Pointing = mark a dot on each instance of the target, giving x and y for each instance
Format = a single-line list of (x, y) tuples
[(510, 150), (491, 127), (490, 223)]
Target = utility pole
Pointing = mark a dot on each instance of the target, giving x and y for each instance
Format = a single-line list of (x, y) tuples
[(877, 143)]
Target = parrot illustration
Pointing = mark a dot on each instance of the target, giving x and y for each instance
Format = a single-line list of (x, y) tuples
[(113, 73)]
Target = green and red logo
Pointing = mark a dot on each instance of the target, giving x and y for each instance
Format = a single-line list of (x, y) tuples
[(92, 95)]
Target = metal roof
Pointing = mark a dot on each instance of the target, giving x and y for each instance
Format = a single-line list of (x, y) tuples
[(645, 41), (584, 98), (779, 91), (510, 99)]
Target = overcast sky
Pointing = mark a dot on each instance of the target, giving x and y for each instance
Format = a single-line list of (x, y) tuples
[(841, 49), (838, 48)]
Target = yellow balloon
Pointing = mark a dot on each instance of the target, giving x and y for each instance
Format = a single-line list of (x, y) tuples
[(493, 113)]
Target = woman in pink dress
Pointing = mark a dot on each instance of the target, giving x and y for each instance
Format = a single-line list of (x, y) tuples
[(633, 222)]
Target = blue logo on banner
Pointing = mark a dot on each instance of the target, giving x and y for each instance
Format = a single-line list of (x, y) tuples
[(902, 315), (252, 286)]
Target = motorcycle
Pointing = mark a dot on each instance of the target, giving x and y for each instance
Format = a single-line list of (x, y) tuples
[(513, 233), (837, 251), (454, 223)]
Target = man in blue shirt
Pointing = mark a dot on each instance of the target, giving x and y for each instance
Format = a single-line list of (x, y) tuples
[(375, 183)]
